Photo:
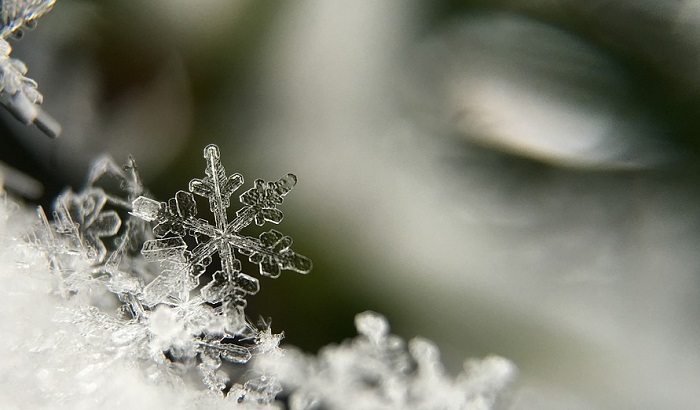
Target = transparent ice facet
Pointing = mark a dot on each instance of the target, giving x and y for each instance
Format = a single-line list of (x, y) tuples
[(167, 248), (145, 208)]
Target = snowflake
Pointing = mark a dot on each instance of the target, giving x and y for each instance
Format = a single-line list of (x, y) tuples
[(176, 221), (83, 216), (82, 221), (379, 370), (18, 93), (86, 240)]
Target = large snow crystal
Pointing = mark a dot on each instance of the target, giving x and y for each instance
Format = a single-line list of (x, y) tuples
[(176, 219)]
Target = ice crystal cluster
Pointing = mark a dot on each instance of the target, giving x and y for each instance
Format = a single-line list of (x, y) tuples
[(172, 312), (154, 292), (18, 93)]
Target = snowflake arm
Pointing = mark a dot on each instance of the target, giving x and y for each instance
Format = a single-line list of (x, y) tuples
[(262, 201), (216, 186)]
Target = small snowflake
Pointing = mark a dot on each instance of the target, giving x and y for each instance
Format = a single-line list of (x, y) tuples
[(175, 221), (83, 213)]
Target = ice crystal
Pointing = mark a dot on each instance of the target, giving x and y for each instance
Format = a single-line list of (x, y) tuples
[(176, 220), (18, 93)]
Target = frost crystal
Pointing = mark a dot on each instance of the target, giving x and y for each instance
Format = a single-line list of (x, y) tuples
[(175, 221), (19, 93)]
